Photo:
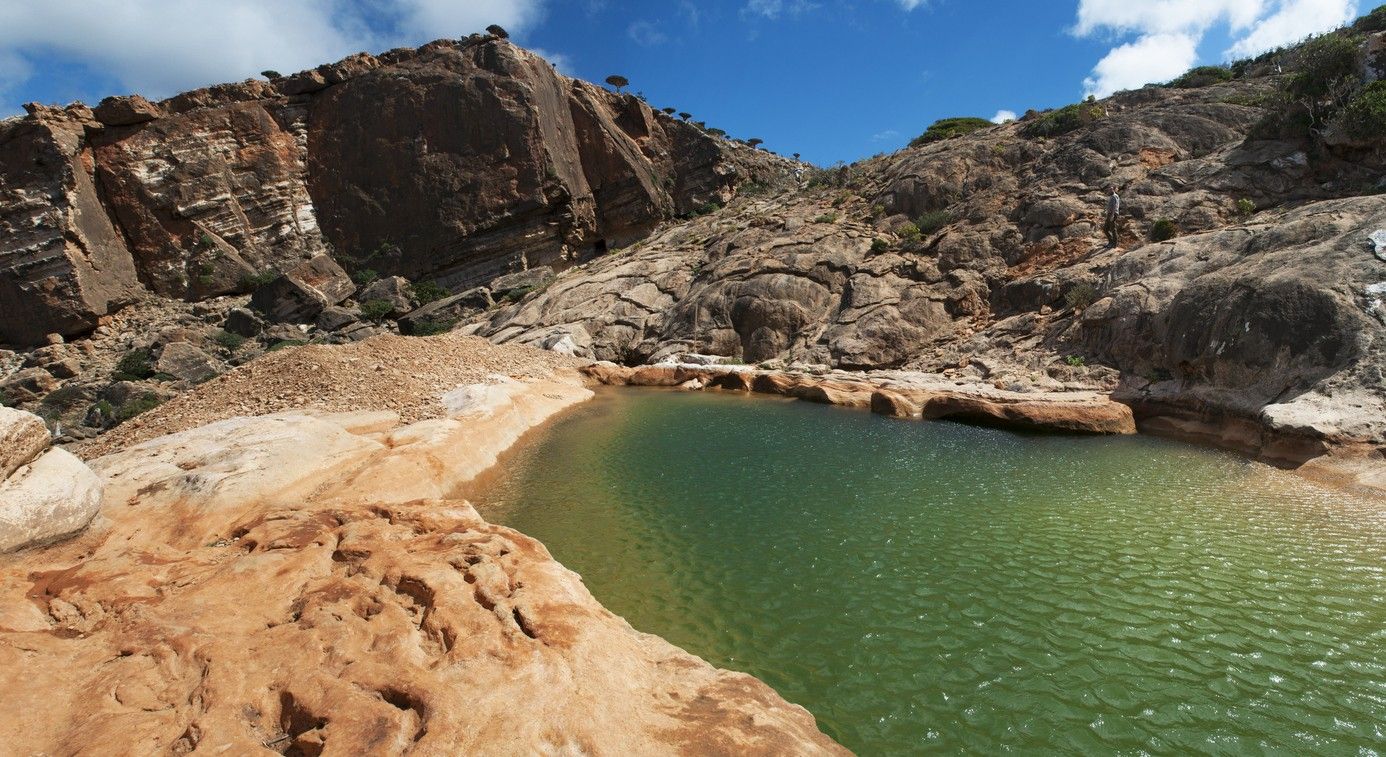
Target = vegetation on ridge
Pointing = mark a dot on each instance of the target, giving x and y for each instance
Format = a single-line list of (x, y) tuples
[(949, 128)]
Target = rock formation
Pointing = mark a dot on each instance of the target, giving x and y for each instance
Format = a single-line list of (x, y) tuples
[(488, 163), (300, 583), (45, 494)]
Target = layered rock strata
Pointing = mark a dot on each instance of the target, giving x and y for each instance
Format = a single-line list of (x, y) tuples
[(454, 163)]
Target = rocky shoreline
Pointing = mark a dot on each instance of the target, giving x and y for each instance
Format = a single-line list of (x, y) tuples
[(1340, 462), (304, 581)]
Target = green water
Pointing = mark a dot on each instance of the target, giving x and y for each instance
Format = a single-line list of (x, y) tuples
[(934, 587)]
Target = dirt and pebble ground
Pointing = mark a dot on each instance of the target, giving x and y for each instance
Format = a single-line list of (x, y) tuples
[(405, 374)]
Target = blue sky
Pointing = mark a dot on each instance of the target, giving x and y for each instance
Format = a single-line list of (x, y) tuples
[(831, 79)]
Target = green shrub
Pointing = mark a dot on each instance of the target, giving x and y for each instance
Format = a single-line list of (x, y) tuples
[(1163, 230), (516, 294), (879, 245), (909, 232), (1364, 117), (949, 128), (135, 365), (376, 310), (1064, 120), (135, 406), (1324, 65), (252, 281), (1245, 207), (933, 221), (104, 411), (707, 208), (1076, 361), (229, 341), (5, 400), (284, 344), (1203, 76), (364, 277), (1372, 22), (64, 397), (826, 218), (432, 328), (1081, 295), (428, 291)]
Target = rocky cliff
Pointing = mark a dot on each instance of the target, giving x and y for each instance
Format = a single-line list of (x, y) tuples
[(1243, 305), (453, 164)]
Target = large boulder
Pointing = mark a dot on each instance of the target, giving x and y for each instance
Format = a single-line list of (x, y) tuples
[(45, 494), (303, 292), (394, 290), (126, 111), (447, 311), (53, 497), (63, 265), (186, 363), (22, 437)]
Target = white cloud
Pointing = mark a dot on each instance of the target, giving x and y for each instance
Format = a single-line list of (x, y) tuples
[(1164, 16), (885, 136), (1292, 21), (1167, 33), (1157, 57), (159, 47), (773, 9), (1002, 116), (910, 5), (646, 33)]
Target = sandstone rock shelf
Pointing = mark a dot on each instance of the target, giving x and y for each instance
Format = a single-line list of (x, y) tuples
[(300, 582)]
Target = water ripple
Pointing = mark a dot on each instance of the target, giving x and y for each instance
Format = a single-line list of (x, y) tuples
[(931, 586)]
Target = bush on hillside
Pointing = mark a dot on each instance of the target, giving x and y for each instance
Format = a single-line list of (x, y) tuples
[(1372, 22), (1163, 230), (134, 366), (1324, 66), (933, 221), (1203, 76), (949, 128), (1064, 120), (1364, 117), (428, 291)]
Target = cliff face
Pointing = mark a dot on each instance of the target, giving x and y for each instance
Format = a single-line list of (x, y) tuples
[(983, 257), (457, 162), (62, 263)]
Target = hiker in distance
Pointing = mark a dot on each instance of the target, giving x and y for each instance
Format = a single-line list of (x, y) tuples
[(1109, 221)]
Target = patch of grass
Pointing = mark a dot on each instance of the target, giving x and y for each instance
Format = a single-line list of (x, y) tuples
[(910, 233), (136, 406), (707, 208), (5, 400), (432, 328), (104, 411), (1203, 76), (1075, 361), (1245, 207), (364, 277), (1163, 230), (228, 341), (879, 245), (64, 397), (252, 281), (285, 344), (949, 128), (135, 365), (826, 218), (1081, 296), (933, 221), (428, 291), (376, 310), (1064, 120)]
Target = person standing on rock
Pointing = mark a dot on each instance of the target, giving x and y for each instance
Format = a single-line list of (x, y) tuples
[(1109, 221)]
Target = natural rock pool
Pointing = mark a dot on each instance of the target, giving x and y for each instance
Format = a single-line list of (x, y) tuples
[(941, 587)]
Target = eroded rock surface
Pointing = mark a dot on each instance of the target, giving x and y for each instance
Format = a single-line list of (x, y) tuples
[(268, 584)]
